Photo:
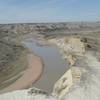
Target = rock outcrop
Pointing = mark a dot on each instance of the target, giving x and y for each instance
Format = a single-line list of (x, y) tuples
[(80, 82), (67, 82), (69, 47)]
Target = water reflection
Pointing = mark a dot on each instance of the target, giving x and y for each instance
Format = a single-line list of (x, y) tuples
[(54, 65)]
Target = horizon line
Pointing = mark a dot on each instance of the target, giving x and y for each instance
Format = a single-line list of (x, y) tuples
[(48, 22)]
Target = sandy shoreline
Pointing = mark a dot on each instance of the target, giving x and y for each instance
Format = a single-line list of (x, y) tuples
[(30, 75)]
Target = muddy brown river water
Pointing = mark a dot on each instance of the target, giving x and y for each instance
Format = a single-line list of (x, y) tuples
[(54, 65)]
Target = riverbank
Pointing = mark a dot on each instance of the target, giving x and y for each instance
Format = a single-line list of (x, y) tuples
[(30, 75)]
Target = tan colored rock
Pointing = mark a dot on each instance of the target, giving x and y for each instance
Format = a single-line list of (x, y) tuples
[(74, 45), (69, 45), (70, 48), (63, 85), (71, 59), (77, 73), (67, 81)]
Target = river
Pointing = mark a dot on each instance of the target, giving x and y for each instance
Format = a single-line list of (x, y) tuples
[(54, 65)]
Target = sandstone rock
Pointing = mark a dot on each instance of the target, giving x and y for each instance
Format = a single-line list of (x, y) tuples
[(71, 59), (71, 78), (70, 48), (69, 45), (77, 73), (63, 85)]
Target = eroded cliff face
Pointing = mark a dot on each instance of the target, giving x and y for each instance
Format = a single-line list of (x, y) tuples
[(69, 47), (81, 81), (72, 50)]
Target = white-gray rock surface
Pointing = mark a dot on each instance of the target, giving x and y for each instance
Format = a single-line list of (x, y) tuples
[(28, 94)]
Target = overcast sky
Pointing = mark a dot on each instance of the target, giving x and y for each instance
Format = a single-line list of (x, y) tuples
[(13, 11)]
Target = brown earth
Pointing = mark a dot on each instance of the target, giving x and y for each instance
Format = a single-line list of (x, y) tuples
[(30, 75)]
